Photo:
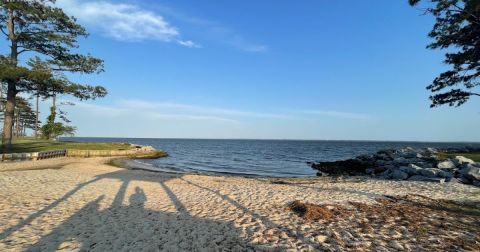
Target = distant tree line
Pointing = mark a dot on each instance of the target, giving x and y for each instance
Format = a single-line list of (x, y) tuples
[(41, 39)]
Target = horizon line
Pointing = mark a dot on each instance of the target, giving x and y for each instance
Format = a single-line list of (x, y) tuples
[(280, 139)]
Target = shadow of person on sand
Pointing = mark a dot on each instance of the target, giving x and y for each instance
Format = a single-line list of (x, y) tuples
[(134, 228)]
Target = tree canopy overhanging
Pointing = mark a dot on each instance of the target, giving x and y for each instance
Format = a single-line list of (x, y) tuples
[(457, 28)]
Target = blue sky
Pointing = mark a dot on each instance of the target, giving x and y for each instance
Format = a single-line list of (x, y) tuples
[(350, 70)]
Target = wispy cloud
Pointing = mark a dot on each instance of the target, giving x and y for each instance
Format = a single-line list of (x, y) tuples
[(188, 43), (216, 31), (198, 110), (189, 112), (149, 112), (338, 114), (125, 22), (236, 40)]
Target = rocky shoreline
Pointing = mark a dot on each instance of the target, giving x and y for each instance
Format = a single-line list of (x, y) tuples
[(408, 164)]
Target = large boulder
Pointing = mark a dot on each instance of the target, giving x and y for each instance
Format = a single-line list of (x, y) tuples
[(430, 172), (411, 169), (399, 175), (471, 172), (447, 164), (460, 160), (445, 174), (400, 161)]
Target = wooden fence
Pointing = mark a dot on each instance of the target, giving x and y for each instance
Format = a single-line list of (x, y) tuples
[(51, 154), (34, 155)]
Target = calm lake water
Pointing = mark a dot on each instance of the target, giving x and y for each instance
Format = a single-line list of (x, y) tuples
[(278, 158)]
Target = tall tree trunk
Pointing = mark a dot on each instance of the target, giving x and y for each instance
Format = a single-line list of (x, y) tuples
[(8, 120), (54, 110), (12, 88), (36, 118)]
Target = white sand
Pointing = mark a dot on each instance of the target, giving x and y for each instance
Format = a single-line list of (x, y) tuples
[(85, 204)]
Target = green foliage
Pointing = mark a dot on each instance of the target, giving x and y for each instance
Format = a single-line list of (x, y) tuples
[(52, 129), (41, 29), (457, 28), (475, 156)]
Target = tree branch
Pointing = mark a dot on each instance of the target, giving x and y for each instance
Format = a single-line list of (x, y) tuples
[(3, 31), (23, 50)]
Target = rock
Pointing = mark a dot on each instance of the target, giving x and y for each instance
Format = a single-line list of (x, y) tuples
[(471, 172), (426, 179), (353, 166), (460, 160), (425, 164), (452, 180), (445, 174), (447, 164), (429, 172), (401, 161), (411, 169), (387, 174), (464, 180), (370, 171), (399, 175)]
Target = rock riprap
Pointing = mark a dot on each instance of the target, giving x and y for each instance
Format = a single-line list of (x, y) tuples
[(407, 164)]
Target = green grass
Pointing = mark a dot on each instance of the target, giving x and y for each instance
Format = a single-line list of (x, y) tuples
[(475, 156), (35, 145)]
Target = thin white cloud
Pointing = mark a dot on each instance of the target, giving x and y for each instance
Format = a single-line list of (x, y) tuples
[(180, 108), (236, 40), (188, 43), (338, 114), (128, 112), (179, 111), (124, 22)]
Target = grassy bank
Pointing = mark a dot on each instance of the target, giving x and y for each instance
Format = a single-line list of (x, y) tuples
[(35, 145), (475, 156)]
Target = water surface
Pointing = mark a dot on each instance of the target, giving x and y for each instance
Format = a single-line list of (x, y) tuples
[(278, 158)]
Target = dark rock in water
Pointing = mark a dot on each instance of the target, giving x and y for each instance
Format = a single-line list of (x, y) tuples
[(346, 167)]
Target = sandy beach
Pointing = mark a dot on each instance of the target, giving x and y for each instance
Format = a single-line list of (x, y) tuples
[(85, 204)]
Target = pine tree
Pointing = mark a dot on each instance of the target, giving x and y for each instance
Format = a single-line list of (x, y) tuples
[(38, 27), (457, 28)]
